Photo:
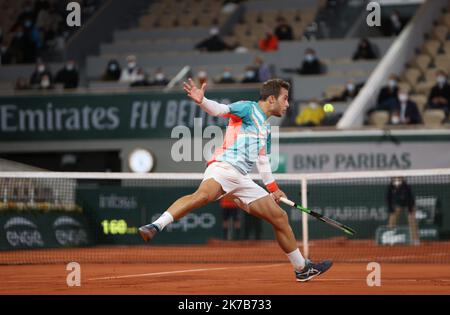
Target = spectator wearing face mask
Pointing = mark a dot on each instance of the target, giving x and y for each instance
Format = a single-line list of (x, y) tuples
[(263, 70), (364, 50), (5, 55), (140, 79), (283, 30), (403, 111), (388, 91), (226, 76), (396, 23), (311, 64), (46, 83), (68, 75), (202, 77), (439, 97), (250, 75), (351, 91), (213, 43), (131, 72), (112, 72), (38, 74), (310, 115), (160, 78)]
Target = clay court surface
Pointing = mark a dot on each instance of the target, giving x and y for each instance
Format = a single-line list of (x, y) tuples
[(220, 268)]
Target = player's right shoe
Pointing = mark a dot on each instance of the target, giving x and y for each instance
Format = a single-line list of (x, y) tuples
[(312, 270), (148, 231)]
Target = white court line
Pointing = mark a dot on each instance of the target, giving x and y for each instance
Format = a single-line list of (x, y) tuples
[(180, 271)]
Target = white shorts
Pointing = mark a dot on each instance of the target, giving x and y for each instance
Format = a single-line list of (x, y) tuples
[(242, 187)]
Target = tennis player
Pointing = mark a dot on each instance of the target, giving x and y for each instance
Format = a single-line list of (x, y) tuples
[(247, 142)]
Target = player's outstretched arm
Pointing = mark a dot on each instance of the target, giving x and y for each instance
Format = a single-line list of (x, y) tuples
[(198, 96)]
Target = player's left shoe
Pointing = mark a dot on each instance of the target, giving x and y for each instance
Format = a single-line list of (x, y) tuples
[(147, 232), (312, 270)]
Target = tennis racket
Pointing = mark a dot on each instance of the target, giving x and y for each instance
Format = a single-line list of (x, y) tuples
[(318, 216)]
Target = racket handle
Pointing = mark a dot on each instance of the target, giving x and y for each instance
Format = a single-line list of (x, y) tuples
[(287, 202)]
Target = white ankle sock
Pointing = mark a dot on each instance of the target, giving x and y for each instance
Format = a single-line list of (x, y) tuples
[(296, 259), (164, 220)]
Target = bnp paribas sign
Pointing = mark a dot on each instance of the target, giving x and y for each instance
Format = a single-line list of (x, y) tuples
[(109, 116)]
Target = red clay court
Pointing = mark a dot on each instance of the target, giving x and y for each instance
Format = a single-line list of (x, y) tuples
[(227, 268)]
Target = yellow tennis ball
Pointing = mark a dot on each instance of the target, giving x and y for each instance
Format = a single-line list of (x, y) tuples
[(328, 108)]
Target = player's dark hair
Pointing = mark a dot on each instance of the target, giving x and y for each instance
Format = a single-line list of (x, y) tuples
[(273, 87)]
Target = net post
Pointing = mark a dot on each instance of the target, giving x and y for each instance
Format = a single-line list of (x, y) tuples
[(305, 218)]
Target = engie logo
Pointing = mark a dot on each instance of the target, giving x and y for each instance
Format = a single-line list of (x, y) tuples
[(191, 221), (21, 232), (69, 231)]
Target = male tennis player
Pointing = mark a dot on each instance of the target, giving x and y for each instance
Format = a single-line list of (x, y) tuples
[(247, 141)]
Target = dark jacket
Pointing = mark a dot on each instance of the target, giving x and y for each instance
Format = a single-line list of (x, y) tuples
[(69, 78), (386, 93), (436, 91), (401, 196), (412, 112), (313, 67)]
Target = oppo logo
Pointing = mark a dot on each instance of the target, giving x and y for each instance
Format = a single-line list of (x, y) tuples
[(191, 221)]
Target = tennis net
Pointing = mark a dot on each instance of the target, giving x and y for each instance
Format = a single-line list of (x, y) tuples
[(48, 217)]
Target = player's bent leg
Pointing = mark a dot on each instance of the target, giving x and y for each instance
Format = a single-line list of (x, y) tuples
[(208, 191), (267, 209)]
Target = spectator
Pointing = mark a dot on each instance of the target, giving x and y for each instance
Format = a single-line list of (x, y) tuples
[(140, 79), (38, 74), (18, 45), (250, 75), (239, 49), (5, 55), (202, 77), (112, 72), (45, 83), (212, 43), (283, 30), (399, 197), (68, 75), (269, 42), (311, 64), (364, 50), (310, 115), (350, 92), (439, 97), (226, 76), (396, 23), (22, 84), (263, 70), (130, 73), (388, 91), (231, 220), (160, 78), (402, 110)]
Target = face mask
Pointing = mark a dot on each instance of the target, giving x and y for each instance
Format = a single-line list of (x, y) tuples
[(41, 69), (27, 23), (3, 49), (403, 97), (226, 75), (159, 76), (313, 105), (441, 79), (309, 57), (69, 67), (395, 119), (397, 183), (131, 65), (202, 74), (392, 83), (113, 67), (45, 83), (249, 74), (350, 87)]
